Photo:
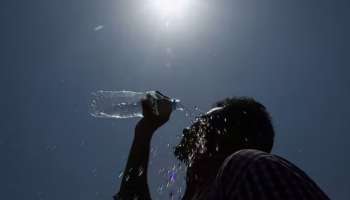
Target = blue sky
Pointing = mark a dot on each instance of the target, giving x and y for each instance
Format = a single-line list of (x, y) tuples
[(293, 56)]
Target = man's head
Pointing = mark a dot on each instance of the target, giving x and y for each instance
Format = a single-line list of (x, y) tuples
[(231, 125)]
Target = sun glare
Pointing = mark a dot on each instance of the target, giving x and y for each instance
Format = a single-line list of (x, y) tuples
[(170, 9)]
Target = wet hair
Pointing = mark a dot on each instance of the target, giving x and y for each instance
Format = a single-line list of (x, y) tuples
[(237, 123)]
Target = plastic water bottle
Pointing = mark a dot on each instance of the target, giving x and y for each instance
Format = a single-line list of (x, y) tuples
[(125, 104)]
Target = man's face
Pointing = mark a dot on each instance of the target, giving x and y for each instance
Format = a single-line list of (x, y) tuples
[(196, 138)]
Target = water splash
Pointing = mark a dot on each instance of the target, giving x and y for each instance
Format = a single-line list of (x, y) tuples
[(191, 113), (98, 27), (172, 181)]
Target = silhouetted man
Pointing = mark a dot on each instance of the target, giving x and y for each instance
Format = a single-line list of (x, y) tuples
[(227, 153)]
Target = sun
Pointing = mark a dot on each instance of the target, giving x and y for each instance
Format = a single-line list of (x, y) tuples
[(170, 9)]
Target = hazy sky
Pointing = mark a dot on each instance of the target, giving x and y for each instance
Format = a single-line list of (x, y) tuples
[(293, 56)]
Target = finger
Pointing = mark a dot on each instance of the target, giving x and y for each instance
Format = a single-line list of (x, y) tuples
[(164, 101), (162, 95), (146, 106)]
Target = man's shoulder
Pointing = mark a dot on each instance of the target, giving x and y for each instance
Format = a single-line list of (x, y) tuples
[(259, 163), (257, 174), (235, 167), (245, 159), (239, 161), (246, 155)]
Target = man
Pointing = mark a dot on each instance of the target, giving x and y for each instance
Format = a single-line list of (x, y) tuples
[(227, 153)]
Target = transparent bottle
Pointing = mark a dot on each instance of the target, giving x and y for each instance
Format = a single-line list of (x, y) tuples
[(125, 104)]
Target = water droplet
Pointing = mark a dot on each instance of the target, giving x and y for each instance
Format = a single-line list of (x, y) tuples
[(127, 177), (140, 171), (171, 194), (245, 139), (120, 174), (51, 148), (217, 148), (94, 172), (160, 189), (172, 177), (179, 190), (99, 27), (154, 152), (161, 170)]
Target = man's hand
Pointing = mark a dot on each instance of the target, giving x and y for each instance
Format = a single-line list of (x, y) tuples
[(150, 121)]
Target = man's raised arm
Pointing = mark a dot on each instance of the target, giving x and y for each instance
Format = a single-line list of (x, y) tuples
[(134, 182)]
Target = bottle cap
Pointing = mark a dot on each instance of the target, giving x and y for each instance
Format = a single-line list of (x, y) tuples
[(175, 104)]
